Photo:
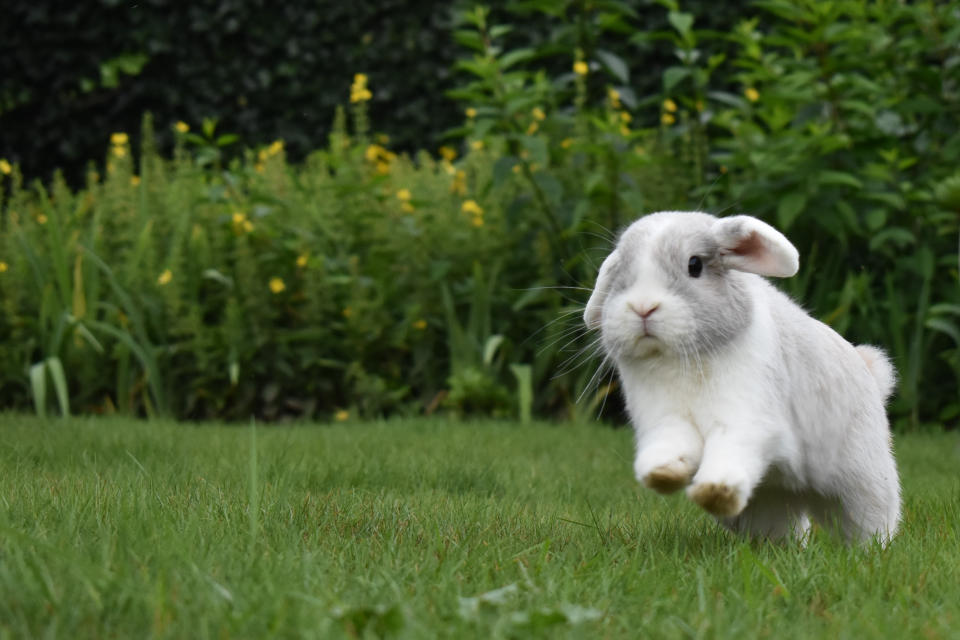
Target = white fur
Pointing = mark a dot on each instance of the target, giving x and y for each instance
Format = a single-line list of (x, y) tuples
[(768, 417)]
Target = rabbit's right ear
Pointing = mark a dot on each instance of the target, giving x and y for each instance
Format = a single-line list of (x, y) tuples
[(593, 314), (748, 244)]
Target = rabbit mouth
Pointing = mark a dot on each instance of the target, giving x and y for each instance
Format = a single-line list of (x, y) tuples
[(646, 345)]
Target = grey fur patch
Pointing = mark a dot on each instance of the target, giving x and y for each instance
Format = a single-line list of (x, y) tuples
[(718, 298)]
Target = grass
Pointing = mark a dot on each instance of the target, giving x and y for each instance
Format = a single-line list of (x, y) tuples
[(421, 529)]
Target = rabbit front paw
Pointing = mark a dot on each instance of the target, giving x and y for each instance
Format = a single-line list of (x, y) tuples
[(719, 498), (669, 477)]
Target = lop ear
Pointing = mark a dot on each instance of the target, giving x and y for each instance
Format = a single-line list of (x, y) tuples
[(593, 314), (748, 244)]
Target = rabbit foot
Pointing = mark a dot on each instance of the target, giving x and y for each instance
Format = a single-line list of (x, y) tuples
[(718, 498), (669, 477)]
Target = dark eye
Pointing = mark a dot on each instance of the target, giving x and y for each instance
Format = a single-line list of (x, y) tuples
[(695, 266)]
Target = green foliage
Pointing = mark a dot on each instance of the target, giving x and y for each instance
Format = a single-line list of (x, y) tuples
[(428, 529), (230, 282), (846, 136), (264, 71)]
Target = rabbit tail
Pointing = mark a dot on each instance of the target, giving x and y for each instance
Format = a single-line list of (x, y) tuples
[(880, 367)]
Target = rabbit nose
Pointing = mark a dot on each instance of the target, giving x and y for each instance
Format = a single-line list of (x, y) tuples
[(644, 311)]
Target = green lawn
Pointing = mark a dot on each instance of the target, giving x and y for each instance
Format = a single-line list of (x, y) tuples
[(421, 529)]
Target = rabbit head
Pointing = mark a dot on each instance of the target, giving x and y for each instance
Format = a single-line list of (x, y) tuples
[(677, 283)]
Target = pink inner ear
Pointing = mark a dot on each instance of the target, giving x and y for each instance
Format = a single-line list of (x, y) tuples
[(756, 255), (751, 245)]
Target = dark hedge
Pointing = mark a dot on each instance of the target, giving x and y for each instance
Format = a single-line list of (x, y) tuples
[(71, 73)]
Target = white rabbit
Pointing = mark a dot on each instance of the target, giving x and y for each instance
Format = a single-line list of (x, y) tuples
[(768, 417)]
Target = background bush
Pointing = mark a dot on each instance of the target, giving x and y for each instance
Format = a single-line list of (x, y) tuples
[(367, 281), (70, 74)]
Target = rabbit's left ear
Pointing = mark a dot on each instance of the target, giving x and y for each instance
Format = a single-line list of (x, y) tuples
[(748, 244), (593, 314)]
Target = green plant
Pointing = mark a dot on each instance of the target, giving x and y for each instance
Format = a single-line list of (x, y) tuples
[(843, 145)]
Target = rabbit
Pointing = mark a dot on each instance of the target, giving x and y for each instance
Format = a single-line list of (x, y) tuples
[(767, 417)]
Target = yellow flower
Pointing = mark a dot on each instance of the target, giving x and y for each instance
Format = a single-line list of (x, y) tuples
[(119, 139), (5, 167), (406, 207), (476, 145), (404, 195), (277, 285), (532, 129), (420, 324), (3, 266), (373, 152), (752, 94), (135, 181), (42, 218), (119, 151), (625, 117), (477, 221), (471, 113), (448, 153), (182, 127), (459, 183), (471, 206), (669, 106), (341, 416), (358, 90), (566, 143), (517, 169), (624, 130), (379, 157), (581, 68), (275, 147), (302, 260), (241, 224), (614, 97), (667, 119), (538, 114), (165, 277)]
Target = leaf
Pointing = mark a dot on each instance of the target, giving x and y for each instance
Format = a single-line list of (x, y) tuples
[(943, 326), (55, 367), (469, 39), (839, 178), (515, 57), (680, 21), (227, 139), (673, 76), (615, 65), (875, 219), (490, 348), (898, 236), (945, 308), (524, 375), (38, 388), (789, 207)]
